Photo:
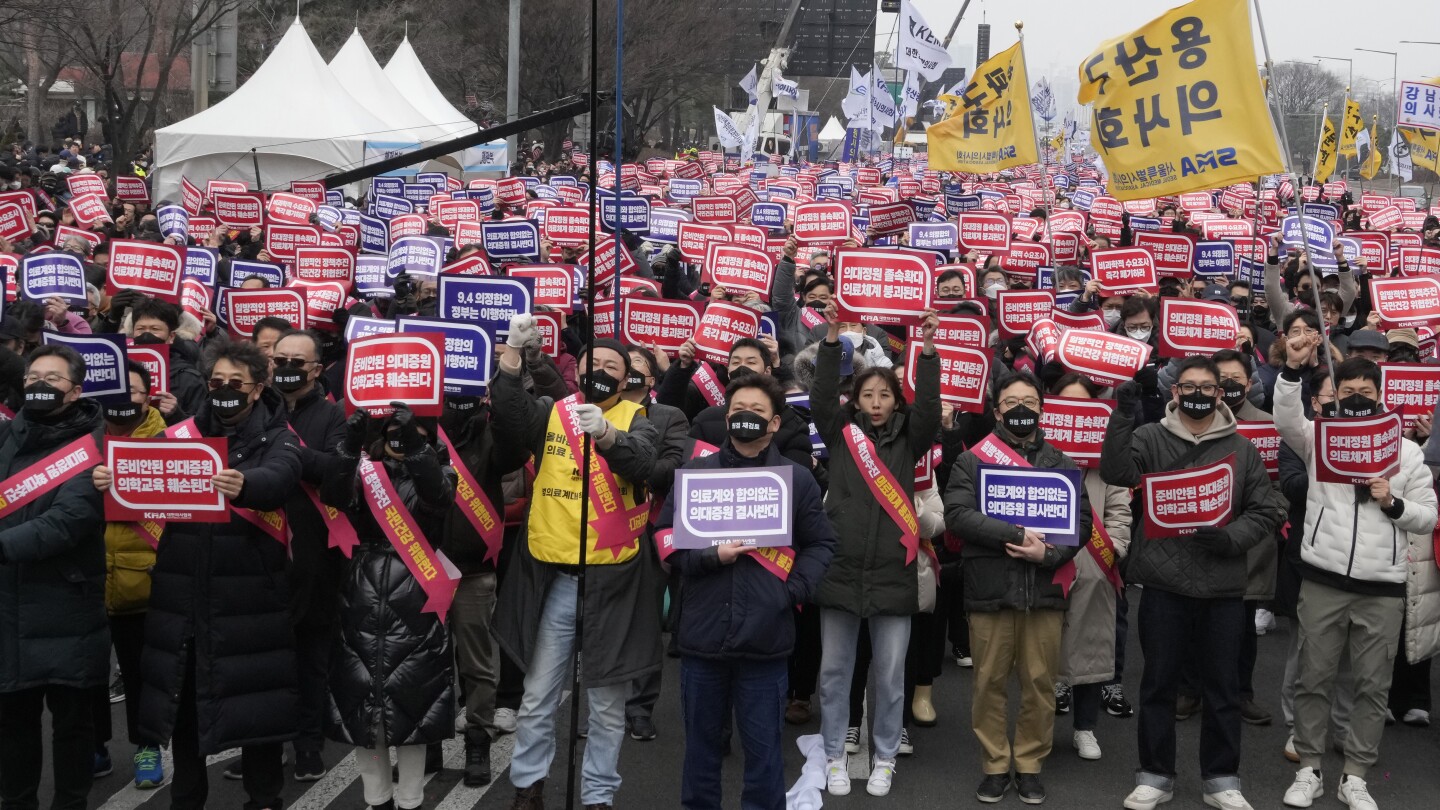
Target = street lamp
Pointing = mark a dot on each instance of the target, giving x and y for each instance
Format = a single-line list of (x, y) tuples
[(1394, 66), (1351, 79)]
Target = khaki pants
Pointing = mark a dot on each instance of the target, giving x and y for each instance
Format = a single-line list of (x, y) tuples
[(1027, 643)]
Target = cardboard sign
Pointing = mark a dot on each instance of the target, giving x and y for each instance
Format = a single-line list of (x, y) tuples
[(151, 268), (489, 302), (1025, 259), (984, 232), (511, 239), (13, 223), (83, 184), (714, 210), (315, 264), (164, 479), (1266, 440), (1412, 389), (695, 238), (751, 505), (1041, 500), (1018, 310), (1076, 426), (1172, 253), (1215, 258), (1106, 358), (245, 308), (1125, 271), (291, 209), (242, 210), (964, 374), (52, 275), (240, 270), (386, 368), (739, 268), (1421, 261), (469, 353), (1406, 302), (567, 226), (104, 355), (883, 287), (322, 299), (1355, 450), (554, 284), (721, 324), (89, 209), (415, 255), (820, 223), (658, 322), (281, 241), (155, 357), (1177, 503), (1190, 327)]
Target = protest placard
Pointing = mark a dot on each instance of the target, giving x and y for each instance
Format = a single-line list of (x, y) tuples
[(1076, 426), (163, 479), (405, 368), (1180, 502), (750, 505), (1356, 449), (1041, 500)]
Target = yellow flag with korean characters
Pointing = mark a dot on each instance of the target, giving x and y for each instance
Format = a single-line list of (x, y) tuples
[(1325, 152), (1350, 128), (1424, 148), (1177, 104), (993, 128), (1371, 166)]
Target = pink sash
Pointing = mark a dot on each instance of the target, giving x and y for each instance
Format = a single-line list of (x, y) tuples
[(25, 486), (885, 488), (475, 505), (778, 560), (708, 383), (405, 536)]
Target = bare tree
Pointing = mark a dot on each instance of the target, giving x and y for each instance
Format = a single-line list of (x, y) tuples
[(1299, 91)]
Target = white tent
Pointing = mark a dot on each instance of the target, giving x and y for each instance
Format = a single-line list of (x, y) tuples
[(363, 78), (833, 130), (409, 77), (295, 114)]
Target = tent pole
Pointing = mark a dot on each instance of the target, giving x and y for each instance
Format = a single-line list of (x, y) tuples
[(255, 161)]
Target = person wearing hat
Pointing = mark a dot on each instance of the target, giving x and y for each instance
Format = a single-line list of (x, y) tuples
[(1404, 345), (1430, 232), (1369, 344)]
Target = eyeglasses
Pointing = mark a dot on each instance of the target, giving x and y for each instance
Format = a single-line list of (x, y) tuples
[(50, 378), (1208, 389), (292, 362), (1305, 332), (234, 385), (1011, 402)]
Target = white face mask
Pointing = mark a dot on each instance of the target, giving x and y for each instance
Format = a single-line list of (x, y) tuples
[(993, 288), (1111, 316), (1138, 334)]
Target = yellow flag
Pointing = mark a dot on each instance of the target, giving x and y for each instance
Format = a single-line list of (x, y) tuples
[(952, 104), (1178, 105), (1325, 152), (1424, 148), (993, 128), (1350, 128), (1058, 142), (1372, 165)]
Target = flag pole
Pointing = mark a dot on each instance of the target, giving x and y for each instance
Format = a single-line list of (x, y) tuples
[(1034, 138)]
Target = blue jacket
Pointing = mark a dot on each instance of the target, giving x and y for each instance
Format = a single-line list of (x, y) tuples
[(742, 610)]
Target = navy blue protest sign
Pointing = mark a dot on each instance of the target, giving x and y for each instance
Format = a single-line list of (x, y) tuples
[(329, 217), (801, 402), (52, 274), (370, 278), (359, 326), (416, 255), (1320, 210), (1151, 224), (751, 505), (374, 235), (1041, 500), (940, 236), (958, 203), (923, 206), (174, 220), (104, 355), (562, 180), (440, 180), (200, 264), (665, 225), (1214, 258), (682, 188), (419, 194), (241, 269), (469, 353), (392, 186), (1082, 199), (631, 213), (511, 239), (487, 301), (485, 196), (335, 197), (1252, 271), (387, 207), (767, 215), (830, 191)]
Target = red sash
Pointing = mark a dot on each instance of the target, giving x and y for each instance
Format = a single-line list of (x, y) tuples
[(338, 529), (614, 525), (405, 536), (475, 505), (885, 488), (778, 560), (708, 383), (810, 318), (20, 489)]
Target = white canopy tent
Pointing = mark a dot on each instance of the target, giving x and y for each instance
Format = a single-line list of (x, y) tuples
[(363, 78), (833, 130), (409, 77), (293, 112)]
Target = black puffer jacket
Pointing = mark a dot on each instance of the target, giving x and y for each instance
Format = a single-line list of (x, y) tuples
[(390, 662), (185, 381), (468, 424), (219, 593), (53, 628), (315, 568)]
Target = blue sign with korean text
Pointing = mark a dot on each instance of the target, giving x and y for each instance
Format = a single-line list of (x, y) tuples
[(104, 355), (200, 264), (1215, 258), (416, 255), (511, 239), (374, 234), (633, 213), (487, 301), (52, 275), (767, 215), (392, 186), (469, 353), (174, 220), (1042, 500), (665, 224), (241, 269), (371, 280), (751, 505)]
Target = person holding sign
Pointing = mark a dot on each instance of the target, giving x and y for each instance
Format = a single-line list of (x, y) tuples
[(52, 575), (1195, 580), (535, 618), (873, 575), (737, 619), (1355, 576), (1015, 591)]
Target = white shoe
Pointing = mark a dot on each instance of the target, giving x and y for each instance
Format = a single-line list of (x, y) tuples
[(852, 740), (882, 773), (1145, 797), (1354, 793), (906, 747), (1416, 717), (1085, 743), (505, 721), (1290, 752), (1264, 621), (837, 776), (1307, 787), (1227, 800)]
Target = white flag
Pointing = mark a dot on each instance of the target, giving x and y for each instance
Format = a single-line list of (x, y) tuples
[(882, 104), (752, 132), (782, 86), (749, 83), (1400, 162), (920, 49), (726, 129), (856, 104), (910, 95), (1043, 101)]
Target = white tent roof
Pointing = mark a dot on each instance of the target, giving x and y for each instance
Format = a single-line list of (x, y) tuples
[(409, 77), (361, 75), (833, 131)]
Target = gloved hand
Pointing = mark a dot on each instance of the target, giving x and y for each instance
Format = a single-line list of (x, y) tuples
[(591, 419), (1148, 377), (524, 332), (123, 300), (1127, 397), (1214, 539), (356, 428), (410, 440)]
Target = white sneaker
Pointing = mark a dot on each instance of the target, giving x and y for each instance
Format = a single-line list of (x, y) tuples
[(1227, 800), (906, 747), (1145, 797), (882, 773), (1416, 717), (505, 721), (1086, 744), (852, 740), (1307, 787), (837, 776), (1290, 752), (1354, 793), (1264, 621)]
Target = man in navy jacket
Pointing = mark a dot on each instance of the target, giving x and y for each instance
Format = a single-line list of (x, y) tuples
[(736, 625)]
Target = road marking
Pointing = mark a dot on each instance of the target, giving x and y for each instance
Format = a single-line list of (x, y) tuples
[(331, 785), (461, 797), (130, 797)]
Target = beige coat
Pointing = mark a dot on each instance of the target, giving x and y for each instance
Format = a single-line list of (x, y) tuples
[(1087, 644), (1422, 599)]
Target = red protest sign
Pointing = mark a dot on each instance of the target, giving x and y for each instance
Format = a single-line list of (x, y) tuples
[(195, 298), (751, 236), (738, 268), (1412, 389), (603, 268), (407, 225), (1406, 302), (1266, 440), (548, 324), (891, 217), (658, 322), (1025, 258), (972, 331), (1069, 223), (1177, 503), (317, 264), (1357, 449), (165, 479), (1044, 337), (1387, 219), (1024, 228), (1189, 327), (240, 210), (131, 189), (200, 228), (291, 209), (1076, 427), (191, 197), (213, 187), (882, 287), (1227, 228), (1106, 358), (473, 265), (1065, 248), (89, 209), (714, 210), (245, 308), (510, 191), (695, 238), (822, 222), (451, 213), (20, 198), (984, 231), (1092, 320), (82, 184), (964, 374), (155, 357), (720, 326), (322, 299), (13, 223), (63, 232), (567, 226), (407, 368), (554, 284), (281, 241), (1017, 310), (1419, 261), (1125, 271), (312, 190), (1173, 253), (149, 267), (1196, 201)]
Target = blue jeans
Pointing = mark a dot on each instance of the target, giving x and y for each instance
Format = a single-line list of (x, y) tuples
[(757, 690), (545, 681), (889, 639)]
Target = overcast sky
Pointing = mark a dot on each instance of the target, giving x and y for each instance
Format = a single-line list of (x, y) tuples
[(1059, 33)]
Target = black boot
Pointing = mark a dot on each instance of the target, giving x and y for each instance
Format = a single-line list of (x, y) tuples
[(530, 798), (434, 758), (477, 757)]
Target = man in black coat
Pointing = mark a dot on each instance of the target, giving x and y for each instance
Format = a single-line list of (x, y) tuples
[(53, 629), (155, 322)]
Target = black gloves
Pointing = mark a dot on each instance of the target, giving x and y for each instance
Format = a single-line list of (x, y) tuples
[(408, 438), (1214, 539), (123, 300), (1127, 397), (1148, 377), (356, 427)]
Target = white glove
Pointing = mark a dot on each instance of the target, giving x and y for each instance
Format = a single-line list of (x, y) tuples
[(591, 419), (523, 332)]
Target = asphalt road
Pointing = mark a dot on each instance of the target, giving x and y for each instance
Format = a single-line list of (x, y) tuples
[(943, 772)]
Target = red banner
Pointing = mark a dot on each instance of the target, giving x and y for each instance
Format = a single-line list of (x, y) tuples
[(408, 368), (149, 267), (48, 473), (891, 218), (1406, 302), (245, 308), (714, 210), (964, 374), (243, 210), (291, 209), (1076, 427), (1419, 261), (822, 223), (882, 287), (1355, 450), (720, 326), (1107, 359), (658, 322), (1172, 253), (1177, 503), (1266, 440), (165, 479), (738, 268), (131, 189), (479, 511), (1018, 310), (984, 231), (694, 239), (1189, 326), (554, 284), (1125, 271), (1412, 389), (316, 264)]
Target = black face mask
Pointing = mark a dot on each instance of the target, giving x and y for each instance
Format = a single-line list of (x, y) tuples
[(1242, 311), (745, 426), (42, 398), (123, 414), (147, 339), (598, 386), (1232, 393), (392, 441), (1020, 420), (227, 403), (634, 381), (289, 380), (462, 404), (739, 373), (1358, 405), (1197, 406), (815, 304)]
